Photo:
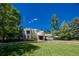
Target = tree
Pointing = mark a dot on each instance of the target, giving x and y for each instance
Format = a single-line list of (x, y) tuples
[(70, 30), (74, 28), (64, 31), (54, 22), (34, 36), (9, 21)]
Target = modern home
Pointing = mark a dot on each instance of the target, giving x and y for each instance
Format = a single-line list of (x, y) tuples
[(40, 34)]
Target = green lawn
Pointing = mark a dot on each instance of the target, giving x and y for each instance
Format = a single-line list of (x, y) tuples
[(40, 49)]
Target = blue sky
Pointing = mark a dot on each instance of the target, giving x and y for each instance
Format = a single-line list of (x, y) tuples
[(38, 15)]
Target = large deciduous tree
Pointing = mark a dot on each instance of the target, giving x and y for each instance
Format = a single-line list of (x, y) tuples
[(64, 31), (70, 30), (9, 21), (74, 28)]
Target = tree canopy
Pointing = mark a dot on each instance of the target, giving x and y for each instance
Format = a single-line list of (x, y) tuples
[(68, 30), (9, 21)]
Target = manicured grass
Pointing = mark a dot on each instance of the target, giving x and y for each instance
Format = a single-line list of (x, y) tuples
[(41, 49)]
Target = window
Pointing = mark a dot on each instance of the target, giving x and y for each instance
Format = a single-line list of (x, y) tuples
[(28, 32)]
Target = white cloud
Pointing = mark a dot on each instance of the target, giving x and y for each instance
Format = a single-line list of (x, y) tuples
[(33, 20)]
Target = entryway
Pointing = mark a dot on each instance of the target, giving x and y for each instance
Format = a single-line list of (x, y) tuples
[(41, 37)]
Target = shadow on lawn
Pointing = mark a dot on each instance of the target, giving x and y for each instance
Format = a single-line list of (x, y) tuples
[(18, 49)]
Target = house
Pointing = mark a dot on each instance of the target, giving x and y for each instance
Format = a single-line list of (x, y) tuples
[(40, 35), (28, 32)]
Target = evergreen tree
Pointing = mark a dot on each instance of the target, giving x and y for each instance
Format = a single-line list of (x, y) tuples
[(54, 22)]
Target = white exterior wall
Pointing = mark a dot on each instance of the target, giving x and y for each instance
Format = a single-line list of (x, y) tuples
[(26, 35), (36, 31)]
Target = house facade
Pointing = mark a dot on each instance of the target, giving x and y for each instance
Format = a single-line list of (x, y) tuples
[(40, 35)]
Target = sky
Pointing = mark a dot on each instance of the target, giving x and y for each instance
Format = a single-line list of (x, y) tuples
[(39, 15)]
